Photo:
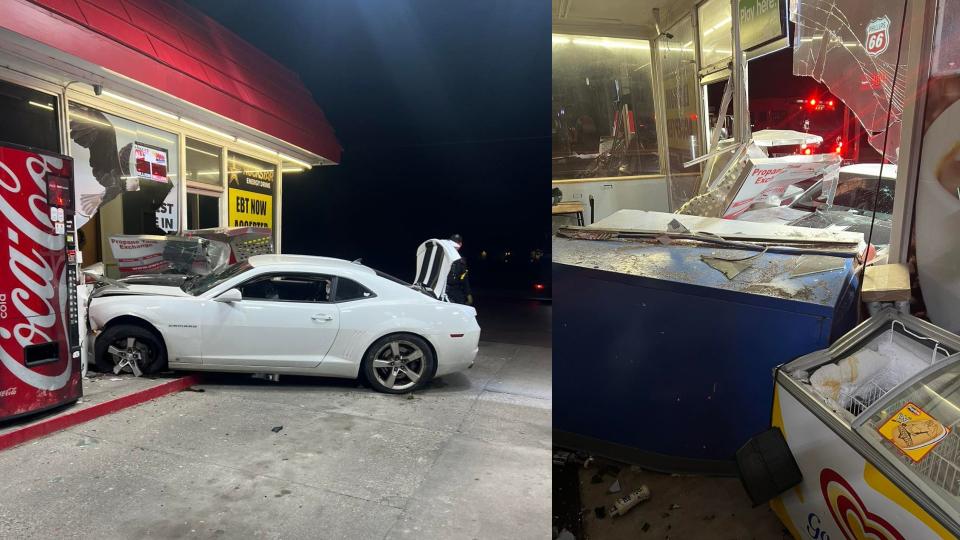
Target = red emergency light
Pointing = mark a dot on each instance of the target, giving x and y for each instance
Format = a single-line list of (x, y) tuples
[(807, 151), (812, 102), (538, 286)]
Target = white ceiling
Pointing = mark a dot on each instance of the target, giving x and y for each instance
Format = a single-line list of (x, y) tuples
[(620, 18)]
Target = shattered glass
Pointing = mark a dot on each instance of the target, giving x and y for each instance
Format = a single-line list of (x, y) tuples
[(678, 60), (853, 47)]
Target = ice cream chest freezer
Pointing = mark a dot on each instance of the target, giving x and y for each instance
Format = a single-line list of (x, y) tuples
[(871, 425), (665, 361)]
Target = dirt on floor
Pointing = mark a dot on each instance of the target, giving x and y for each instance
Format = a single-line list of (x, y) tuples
[(680, 507)]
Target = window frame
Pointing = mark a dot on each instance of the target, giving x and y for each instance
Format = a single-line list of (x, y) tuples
[(308, 275), (336, 289)]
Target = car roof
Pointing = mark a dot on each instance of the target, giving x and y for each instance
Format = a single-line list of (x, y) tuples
[(322, 263)]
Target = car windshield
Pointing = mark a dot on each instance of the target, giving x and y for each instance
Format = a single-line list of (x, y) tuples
[(855, 194), (197, 285)]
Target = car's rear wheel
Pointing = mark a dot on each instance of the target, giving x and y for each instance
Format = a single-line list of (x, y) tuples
[(399, 363), (130, 348)]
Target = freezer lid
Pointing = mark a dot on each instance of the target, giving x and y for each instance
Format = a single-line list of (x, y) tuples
[(917, 429)]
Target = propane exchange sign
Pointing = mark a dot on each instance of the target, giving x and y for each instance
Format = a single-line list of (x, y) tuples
[(250, 198)]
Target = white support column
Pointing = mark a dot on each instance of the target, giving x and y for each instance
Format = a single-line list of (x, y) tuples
[(182, 182), (741, 109), (921, 19), (225, 199), (278, 208)]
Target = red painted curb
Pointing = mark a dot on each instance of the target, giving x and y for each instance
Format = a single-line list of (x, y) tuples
[(57, 423)]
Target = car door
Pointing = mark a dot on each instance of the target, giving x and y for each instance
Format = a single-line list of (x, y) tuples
[(285, 320)]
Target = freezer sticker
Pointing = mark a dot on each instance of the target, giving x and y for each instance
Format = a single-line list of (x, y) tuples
[(913, 431), (851, 515)]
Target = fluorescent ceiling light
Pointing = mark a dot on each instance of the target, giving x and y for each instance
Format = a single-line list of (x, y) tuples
[(303, 164), (41, 105), (140, 105), (257, 146), (207, 129), (211, 154), (612, 43)]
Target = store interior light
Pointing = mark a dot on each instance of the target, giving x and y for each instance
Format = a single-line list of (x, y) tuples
[(140, 105), (296, 161), (135, 133), (560, 40), (211, 154), (257, 146), (207, 129), (612, 43), (41, 105)]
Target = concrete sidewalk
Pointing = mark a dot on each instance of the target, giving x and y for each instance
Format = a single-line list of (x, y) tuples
[(468, 457)]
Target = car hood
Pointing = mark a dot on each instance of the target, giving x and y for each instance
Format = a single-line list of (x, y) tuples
[(135, 289), (170, 280)]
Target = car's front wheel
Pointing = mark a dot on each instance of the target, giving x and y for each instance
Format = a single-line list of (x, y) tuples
[(131, 348), (399, 363)]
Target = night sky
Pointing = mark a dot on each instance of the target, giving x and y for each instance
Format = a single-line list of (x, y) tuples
[(442, 108)]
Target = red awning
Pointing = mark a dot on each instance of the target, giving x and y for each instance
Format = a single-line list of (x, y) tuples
[(175, 48)]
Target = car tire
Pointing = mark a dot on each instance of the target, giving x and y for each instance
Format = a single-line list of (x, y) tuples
[(399, 363), (144, 348)]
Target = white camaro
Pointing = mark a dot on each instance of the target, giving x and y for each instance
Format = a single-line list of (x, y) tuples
[(285, 314)]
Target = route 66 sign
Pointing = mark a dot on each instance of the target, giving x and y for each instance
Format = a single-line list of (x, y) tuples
[(878, 35)]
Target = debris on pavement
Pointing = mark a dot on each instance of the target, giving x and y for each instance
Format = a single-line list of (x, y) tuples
[(674, 506), (645, 527), (624, 504), (600, 512), (566, 535), (614, 487), (194, 389), (596, 479), (276, 429)]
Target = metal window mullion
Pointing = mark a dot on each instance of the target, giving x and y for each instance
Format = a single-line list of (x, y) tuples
[(660, 115), (182, 224), (277, 207), (225, 200), (921, 15)]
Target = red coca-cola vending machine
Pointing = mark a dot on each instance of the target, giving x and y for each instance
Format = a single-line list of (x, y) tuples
[(39, 332)]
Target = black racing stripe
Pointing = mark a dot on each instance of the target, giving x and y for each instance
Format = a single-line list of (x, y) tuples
[(435, 271), (422, 276)]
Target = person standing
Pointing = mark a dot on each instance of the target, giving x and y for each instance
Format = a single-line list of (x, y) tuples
[(458, 281)]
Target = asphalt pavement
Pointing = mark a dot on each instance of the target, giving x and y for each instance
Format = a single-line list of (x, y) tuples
[(467, 457)]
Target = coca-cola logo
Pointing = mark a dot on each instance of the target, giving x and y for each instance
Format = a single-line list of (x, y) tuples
[(7, 392), (34, 281)]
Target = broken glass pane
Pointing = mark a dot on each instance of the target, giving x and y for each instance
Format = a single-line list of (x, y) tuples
[(603, 108), (678, 59), (853, 47)]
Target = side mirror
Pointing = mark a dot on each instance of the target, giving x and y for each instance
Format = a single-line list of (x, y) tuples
[(230, 296)]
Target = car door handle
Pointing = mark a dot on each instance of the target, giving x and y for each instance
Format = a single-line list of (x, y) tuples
[(322, 318)]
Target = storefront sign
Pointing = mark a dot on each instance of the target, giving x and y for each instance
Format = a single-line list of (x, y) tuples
[(100, 142), (878, 35), (770, 177), (250, 199), (150, 163), (138, 256), (761, 21)]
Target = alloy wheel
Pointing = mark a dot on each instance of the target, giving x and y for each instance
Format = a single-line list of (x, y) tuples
[(399, 364), (130, 354)]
